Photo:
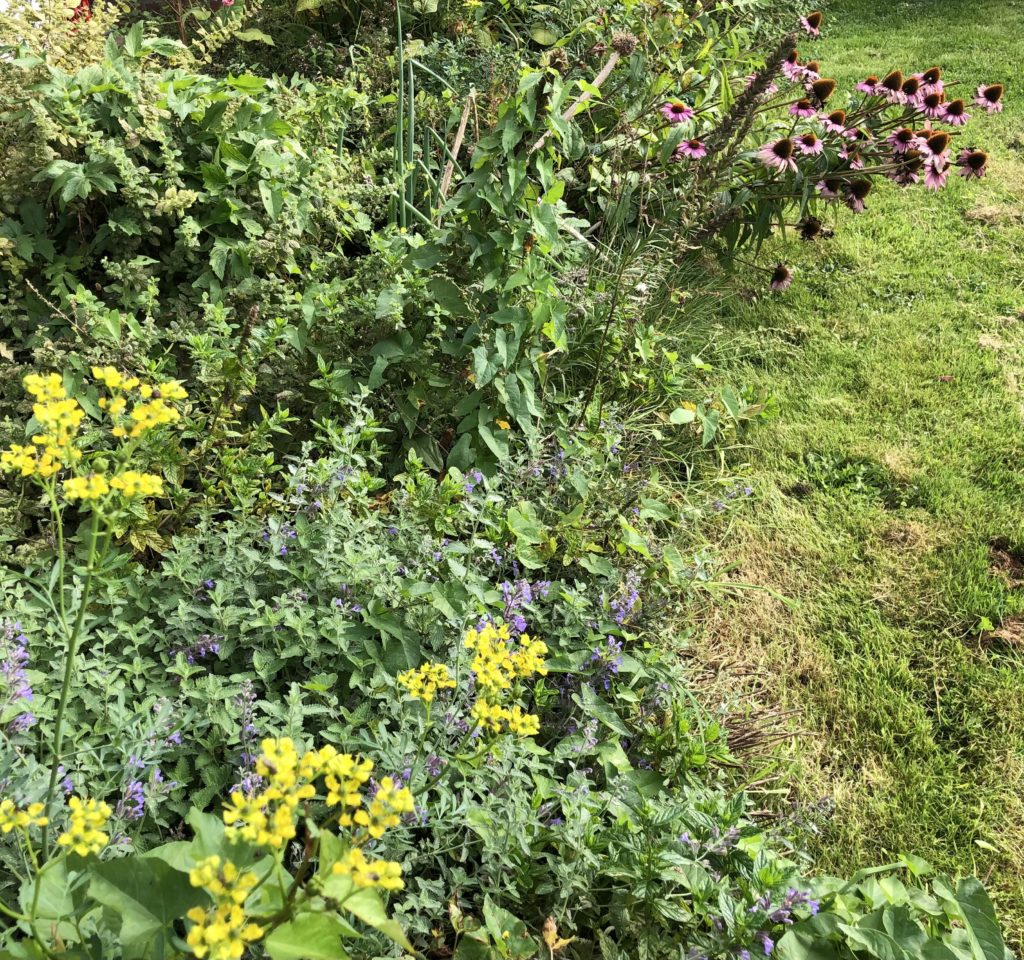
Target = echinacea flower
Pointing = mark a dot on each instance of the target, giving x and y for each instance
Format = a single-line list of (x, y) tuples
[(782, 277), (911, 90), (829, 188), (931, 81), (812, 23), (810, 144), (909, 168), (891, 86), (973, 164), (955, 114), (694, 149), (821, 89), (936, 148), (870, 86), (902, 140), (791, 68), (810, 228), (778, 155), (676, 111), (852, 156), (803, 108), (935, 176), (857, 191), (933, 105), (834, 122), (990, 97)]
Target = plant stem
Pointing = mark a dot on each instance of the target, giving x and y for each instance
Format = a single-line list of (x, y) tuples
[(69, 669)]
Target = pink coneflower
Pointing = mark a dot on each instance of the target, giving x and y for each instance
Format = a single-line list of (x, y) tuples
[(803, 108), (810, 228), (675, 111), (891, 86), (857, 192), (851, 155), (902, 140), (933, 105), (791, 68), (935, 148), (955, 114), (778, 155), (931, 81), (829, 188), (935, 177), (809, 144), (834, 122), (973, 164), (820, 90), (911, 90), (990, 97), (694, 149), (811, 70), (812, 23), (909, 169), (782, 277), (869, 85)]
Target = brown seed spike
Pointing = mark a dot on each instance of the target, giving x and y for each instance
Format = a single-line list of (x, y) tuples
[(860, 188), (838, 117), (938, 142), (910, 86), (814, 19), (993, 93), (893, 81), (932, 75), (823, 89), (813, 66)]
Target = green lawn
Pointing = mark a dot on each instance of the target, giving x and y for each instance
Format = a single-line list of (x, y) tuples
[(890, 488)]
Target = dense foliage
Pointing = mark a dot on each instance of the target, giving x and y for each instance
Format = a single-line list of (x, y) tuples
[(339, 537)]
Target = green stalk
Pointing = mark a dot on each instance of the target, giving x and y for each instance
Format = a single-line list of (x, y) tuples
[(402, 216), (69, 669), (409, 171)]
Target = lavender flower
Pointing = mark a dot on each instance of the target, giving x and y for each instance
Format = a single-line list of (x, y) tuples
[(624, 606), (473, 479), (606, 661), (208, 645), (14, 660)]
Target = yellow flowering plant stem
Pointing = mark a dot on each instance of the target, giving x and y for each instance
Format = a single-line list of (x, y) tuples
[(71, 649)]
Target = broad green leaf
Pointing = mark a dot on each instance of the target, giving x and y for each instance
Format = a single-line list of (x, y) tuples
[(146, 894), (311, 936)]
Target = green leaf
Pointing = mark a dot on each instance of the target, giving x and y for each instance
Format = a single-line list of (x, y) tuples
[(632, 539), (368, 907), (525, 524), (542, 35), (681, 415), (596, 707), (310, 936), (146, 894), (980, 920)]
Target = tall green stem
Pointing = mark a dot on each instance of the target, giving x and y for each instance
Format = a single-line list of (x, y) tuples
[(69, 669), (401, 213)]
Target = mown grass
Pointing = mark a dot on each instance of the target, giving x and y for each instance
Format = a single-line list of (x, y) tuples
[(890, 489)]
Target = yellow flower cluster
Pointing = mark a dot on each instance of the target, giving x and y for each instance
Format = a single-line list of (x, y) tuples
[(267, 818), (131, 483), (154, 410), (85, 833), (424, 682), (386, 874), (222, 931), (495, 717), (59, 419), (497, 664), (14, 818), (90, 487)]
